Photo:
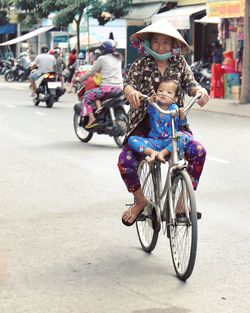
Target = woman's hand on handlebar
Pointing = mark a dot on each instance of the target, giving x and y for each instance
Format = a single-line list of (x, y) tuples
[(203, 96), (133, 97)]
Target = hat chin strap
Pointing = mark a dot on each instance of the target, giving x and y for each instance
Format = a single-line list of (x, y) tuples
[(157, 56)]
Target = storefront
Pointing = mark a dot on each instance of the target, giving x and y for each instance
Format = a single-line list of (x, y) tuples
[(226, 80)]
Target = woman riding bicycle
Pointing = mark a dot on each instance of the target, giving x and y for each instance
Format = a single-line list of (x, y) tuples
[(110, 66), (164, 47)]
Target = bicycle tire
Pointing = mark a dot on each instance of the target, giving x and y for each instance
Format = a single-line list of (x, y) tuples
[(146, 227), (182, 231)]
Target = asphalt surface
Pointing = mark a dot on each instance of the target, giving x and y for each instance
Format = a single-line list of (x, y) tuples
[(62, 245)]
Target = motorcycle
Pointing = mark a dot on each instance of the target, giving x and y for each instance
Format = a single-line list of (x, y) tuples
[(17, 73), (47, 89), (202, 73), (112, 119), (6, 65)]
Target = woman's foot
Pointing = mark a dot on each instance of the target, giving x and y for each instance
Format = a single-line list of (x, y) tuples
[(98, 110), (129, 217), (180, 210), (91, 124)]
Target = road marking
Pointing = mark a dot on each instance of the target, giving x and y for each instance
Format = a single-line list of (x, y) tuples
[(10, 106), (217, 160), (39, 113)]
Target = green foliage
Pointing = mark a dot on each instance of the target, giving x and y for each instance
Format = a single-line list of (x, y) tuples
[(3, 18), (6, 4), (70, 11), (105, 11), (4, 7)]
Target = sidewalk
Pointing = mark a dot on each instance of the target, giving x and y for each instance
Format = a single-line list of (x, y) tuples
[(225, 106)]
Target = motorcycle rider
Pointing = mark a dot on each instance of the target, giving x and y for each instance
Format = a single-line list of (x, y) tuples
[(110, 66), (60, 66), (78, 63), (44, 63), (24, 61)]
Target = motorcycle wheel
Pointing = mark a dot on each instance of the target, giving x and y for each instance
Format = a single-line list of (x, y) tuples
[(81, 133), (9, 76), (121, 120), (50, 101)]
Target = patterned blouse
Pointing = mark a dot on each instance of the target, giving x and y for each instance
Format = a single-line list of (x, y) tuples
[(145, 76)]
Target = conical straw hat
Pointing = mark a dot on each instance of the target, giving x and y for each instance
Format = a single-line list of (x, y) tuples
[(165, 28)]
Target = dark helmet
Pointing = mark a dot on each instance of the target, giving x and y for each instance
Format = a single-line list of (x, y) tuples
[(44, 49), (108, 46)]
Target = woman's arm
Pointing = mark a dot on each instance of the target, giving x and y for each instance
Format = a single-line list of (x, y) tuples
[(131, 84)]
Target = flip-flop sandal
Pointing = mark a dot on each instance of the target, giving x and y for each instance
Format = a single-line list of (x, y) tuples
[(98, 111), (182, 218), (93, 124), (134, 216)]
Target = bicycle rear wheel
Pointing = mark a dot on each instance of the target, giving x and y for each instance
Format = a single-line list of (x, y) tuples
[(183, 228), (146, 224)]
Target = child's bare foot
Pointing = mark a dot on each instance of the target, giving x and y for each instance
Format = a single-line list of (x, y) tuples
[(162, 155), (151, 155)]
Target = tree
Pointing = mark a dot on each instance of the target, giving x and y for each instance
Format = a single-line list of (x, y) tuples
[(4, 5), (72, 11), (68, 11), (245, 90), (105, 11)]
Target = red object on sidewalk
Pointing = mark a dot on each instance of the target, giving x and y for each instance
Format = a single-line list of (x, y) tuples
[(229, 62), (217, 85)]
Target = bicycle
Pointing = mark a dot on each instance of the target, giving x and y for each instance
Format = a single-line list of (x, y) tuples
[(171, 206)]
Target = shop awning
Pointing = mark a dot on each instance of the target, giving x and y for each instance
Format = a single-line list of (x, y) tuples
[(179, 17), (8, 29), (27, 36), (144, 11), (208, 20)]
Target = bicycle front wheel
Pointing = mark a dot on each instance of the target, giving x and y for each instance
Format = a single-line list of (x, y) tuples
[(146, 225), (183, 228)]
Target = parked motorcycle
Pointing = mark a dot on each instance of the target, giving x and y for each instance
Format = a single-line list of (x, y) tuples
[(112, 119), (202, 73), (16, 73), (47, 89), (5, 65)]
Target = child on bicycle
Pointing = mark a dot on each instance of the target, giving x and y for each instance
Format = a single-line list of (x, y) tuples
[(158, 144)]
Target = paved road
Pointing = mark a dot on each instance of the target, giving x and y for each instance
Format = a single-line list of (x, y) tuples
[(63, 248)]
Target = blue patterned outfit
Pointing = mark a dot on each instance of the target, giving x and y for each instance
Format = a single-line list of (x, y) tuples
[(160, 134)]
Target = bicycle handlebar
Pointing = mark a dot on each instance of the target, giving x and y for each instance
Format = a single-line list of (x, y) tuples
[(173, 112)]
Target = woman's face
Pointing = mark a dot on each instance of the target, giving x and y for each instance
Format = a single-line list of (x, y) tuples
[(161, 43)]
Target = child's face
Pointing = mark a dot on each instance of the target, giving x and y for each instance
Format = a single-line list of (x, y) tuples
[(166, 93)]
